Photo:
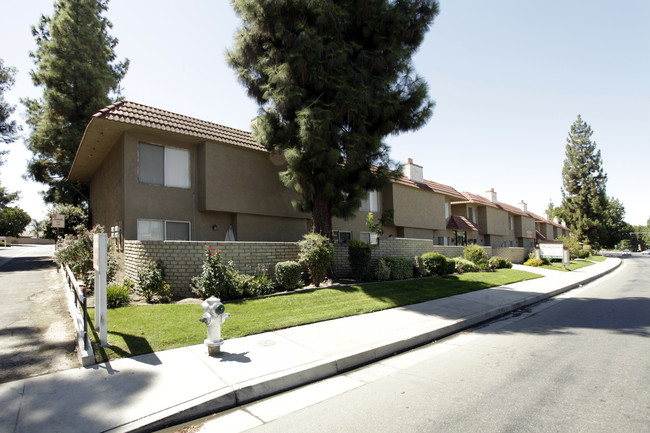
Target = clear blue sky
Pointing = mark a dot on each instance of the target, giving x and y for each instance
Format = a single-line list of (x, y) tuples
[(508, 77)]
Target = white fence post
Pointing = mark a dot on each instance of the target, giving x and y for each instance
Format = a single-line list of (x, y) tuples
[(100, 251)]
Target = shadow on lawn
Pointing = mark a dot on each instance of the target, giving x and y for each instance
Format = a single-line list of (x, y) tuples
[(136, 345)]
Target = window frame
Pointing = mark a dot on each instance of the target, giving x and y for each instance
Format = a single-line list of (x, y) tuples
[(167, 178), (367, 202), (164, 229)]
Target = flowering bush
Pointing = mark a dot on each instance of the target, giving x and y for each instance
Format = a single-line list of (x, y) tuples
[(216, 279), (151, 282), (226, 283), (76, 251)]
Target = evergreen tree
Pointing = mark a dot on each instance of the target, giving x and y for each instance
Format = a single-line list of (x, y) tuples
[(8, 128), (333, 78), (616, 228), (584, 200), (75, 65)]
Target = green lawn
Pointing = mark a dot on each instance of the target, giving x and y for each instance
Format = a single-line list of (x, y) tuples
[(574, 264), (143, 329)]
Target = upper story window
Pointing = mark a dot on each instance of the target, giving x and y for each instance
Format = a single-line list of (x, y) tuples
[(371, 202), (511, 222), (470, 214), (447, 210), (162, 165)]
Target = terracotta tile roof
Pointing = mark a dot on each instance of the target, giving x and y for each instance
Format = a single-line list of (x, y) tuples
[(469, 198), (541, 219), (428, 185), (142, 115), (457, 222)]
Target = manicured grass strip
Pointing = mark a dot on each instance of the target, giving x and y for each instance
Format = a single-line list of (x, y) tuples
[(596, 258), (148, 328), (573, 264)]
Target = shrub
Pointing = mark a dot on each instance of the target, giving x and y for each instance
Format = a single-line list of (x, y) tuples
[(400, 267), (497, 262), (359, 255), (463, 265), (419, 270), (216, 279), (317, 253), (534, 262), (76, 251), (288, 274), (581, 254), (477, 255), (436, 264), (249, 286), (118, 294), (151, 282), (382, 270)]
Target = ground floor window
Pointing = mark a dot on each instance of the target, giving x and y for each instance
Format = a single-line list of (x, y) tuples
[(369, 238), (163, 230)]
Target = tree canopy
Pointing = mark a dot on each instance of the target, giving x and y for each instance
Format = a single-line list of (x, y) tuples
[(333, 79), (8, 128), (76, 66), (584, 198)]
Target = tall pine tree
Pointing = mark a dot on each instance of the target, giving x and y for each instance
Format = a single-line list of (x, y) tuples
[(76, 66), (584, 199), (333, 79), (8, 127)]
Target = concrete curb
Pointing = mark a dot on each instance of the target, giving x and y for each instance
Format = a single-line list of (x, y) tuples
[(265, 386)]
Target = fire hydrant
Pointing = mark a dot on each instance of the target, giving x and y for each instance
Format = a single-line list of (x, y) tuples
[(213, 317)]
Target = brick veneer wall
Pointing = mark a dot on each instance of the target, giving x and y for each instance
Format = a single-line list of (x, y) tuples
[(399, 247), (183, 260), (515, 255)]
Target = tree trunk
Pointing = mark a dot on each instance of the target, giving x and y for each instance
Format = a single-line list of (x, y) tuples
[(321, 217)]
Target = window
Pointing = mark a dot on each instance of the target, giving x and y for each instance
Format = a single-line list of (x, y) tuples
[(371, 202), (159, 230), (369, 238), (162, 165), (447, 210), (470, 214), (511, 222), (150, 230), (344, 236)]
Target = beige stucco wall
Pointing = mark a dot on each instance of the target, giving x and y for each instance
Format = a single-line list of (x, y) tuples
[(107, 190), (239, 180), (415, 208), (269, 228), (154, 201)]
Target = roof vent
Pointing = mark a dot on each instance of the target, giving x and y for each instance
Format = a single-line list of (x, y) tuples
[(413, 171)]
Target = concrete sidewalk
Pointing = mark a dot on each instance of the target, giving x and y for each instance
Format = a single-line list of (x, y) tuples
[(151, 391)]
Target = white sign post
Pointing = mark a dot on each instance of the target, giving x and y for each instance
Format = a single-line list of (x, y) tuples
[(100, 252)]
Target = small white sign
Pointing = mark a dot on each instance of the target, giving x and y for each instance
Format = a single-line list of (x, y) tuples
[(551, 251), (58, 221)]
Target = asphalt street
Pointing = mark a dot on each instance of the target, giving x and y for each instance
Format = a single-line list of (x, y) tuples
[(579, 362), (36, 332)]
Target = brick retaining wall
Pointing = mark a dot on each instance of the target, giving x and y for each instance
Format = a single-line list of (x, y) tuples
[(183, 260)]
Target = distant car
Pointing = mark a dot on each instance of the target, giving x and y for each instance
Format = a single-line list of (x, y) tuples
[(646, 252), (626, 253)]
